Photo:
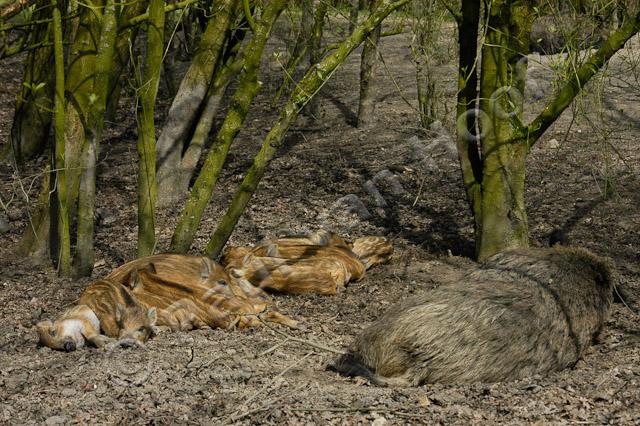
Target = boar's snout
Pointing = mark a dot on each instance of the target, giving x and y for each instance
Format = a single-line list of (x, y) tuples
[(127, 343), (69, 346)]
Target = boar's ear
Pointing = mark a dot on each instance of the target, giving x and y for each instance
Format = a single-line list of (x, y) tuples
[(44, 328), (321, 238), (272, 250), (246, 259), (151, 268), (235, 273), (119, 314), (205, 268), (133, 281), (45, 325), (152, 314), (44, 334)]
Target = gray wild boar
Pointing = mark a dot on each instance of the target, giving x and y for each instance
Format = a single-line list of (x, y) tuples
[(521, 313)]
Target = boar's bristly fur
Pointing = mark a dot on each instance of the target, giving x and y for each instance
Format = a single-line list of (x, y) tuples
[(521, 313)]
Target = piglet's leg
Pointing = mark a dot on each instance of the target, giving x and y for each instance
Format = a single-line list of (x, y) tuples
[(98, 340)]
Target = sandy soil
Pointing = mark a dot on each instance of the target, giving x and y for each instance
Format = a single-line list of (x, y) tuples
[(583, 176)]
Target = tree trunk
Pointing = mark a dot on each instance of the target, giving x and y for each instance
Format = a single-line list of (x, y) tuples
[(308, 86), (126, 39), (61, 245), (495, 182), (426, 28), (502, 210), (205, 122), (79, 90), (367, 99), (299, 49), (93, 126), (467, 140), (146, 129), (353, 15), (188, 103), (34, 243), (32, 116), (168, 65), (239, 106), (312, 108), (222, 77)]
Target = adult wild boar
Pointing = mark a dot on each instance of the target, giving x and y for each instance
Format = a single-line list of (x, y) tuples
[(522, 312)]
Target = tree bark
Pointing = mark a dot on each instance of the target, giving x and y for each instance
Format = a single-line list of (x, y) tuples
[(61, 246), (93, 127), (467, 140), (503, 216), (34, 243), (239, 106), (353, 15), (223, 74), (367, 99), (312, 108), (126, 38), (32, 116), (299, 50), (146, 129), (308, 86), (188, 103)]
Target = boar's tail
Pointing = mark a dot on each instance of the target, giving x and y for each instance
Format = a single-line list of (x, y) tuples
[(352, 365)]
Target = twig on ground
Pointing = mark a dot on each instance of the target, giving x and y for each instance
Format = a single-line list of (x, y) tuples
[(190, 357), (419, 192), (306, 342), (272, 348)]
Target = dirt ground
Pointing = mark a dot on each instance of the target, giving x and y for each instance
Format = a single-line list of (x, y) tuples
[(583, 176)]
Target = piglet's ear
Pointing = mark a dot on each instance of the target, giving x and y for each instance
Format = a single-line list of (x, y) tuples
[(44, 327), (152, 314), (205, 268), (272, 250), (45, 324), (44, 334), (119, 314), (151, 268), (133, 281)]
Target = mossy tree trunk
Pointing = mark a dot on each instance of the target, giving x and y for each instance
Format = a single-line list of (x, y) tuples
[(61, 244), (503, 219), (239, 106), (126, 38), (223, 74), (146, 129), (34, 243), (32, 116), (305, 89), (187, 104), (493, 161), (93, 127), (85, 32)]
